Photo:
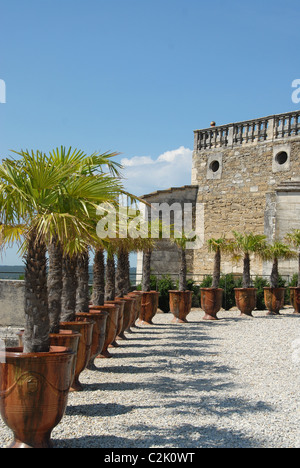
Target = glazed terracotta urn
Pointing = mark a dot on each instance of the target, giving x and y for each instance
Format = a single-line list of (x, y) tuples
[(85, 328), (180, 305), (246, 299), (129, 310), (34, 390), (295, 299), (149, 307), (120, 303), (274, 300), (110, 329), (138, 295), (99, 318), (211, 302)]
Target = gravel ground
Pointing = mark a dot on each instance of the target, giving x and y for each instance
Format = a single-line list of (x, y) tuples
[(227, 384)]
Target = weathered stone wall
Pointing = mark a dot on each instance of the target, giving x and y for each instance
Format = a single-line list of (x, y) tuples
[(237, 183), (165, 258), (12, 303)]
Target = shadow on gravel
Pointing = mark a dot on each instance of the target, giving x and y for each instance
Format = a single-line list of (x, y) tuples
[(183, 379)]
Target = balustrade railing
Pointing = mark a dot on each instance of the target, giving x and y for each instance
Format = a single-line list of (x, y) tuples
[(251, 131)]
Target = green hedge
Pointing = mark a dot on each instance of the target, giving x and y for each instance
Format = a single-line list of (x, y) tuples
[(227, 282)]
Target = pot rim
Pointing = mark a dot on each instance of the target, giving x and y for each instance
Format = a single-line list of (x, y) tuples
[(180, 292), (17, 352)]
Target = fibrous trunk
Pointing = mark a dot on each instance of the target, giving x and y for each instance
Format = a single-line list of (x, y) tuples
[(110, 287), (275, 274), (183, 271), (37, 324), (99, 278), (246, 272), (82, 275), (54, 284), (68, 305), (217, 269), (146, 286), (121, 274)]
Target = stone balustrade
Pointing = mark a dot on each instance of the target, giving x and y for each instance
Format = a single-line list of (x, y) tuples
[(270, 128)]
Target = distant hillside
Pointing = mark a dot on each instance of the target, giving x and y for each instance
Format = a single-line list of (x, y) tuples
[(17, 272), (12, 272)]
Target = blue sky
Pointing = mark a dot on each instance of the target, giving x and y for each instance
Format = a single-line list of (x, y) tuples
[(138, 76)]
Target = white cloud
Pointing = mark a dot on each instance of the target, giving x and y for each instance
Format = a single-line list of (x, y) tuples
[(144, 174), (137, 161)]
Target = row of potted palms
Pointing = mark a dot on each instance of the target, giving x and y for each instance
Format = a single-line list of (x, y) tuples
[(48, 204), (243, 245)]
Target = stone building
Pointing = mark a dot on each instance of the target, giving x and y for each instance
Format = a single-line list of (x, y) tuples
[(246, 176)]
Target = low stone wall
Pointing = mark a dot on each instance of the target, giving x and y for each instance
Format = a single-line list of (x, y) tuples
[(12, 303)]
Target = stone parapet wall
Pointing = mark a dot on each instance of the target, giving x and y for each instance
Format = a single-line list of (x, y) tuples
[(12, 303)]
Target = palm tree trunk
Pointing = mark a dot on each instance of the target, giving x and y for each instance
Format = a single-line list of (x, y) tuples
[(54, 284), (82, 275), (146, 286), (37, 327), (121, 274), (110, 283), (69, 289), (183, 271), (246, 271), (127, 272), (99, 278), (275, 274), (217, 269)]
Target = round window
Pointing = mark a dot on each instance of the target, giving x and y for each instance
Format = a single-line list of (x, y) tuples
[(281, 158), (214, 166)]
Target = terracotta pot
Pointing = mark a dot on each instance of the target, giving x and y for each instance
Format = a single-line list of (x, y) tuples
[(110, 329), (246, 299), (133, 312), (295, 299), (180, 305), (84, 349), (98, 336), (34, 391), (139, 297), (274, 300), (121, 305), (149, 307), (211, 302), (127, 316)]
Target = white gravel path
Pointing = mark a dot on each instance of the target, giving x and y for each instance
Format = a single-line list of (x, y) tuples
[(234, 383)]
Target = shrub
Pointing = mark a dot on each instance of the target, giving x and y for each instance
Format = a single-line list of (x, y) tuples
[(164, 284), (260, 283)]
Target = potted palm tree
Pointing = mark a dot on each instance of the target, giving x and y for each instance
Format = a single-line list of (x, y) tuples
[(274, 295), (294, 239), (150, 297), (32, 188), (211, 298), (243, 245), (181, 299), (27, 184)]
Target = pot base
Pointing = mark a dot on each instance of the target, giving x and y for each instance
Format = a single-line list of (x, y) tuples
[(104, 355), (178, 320)]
